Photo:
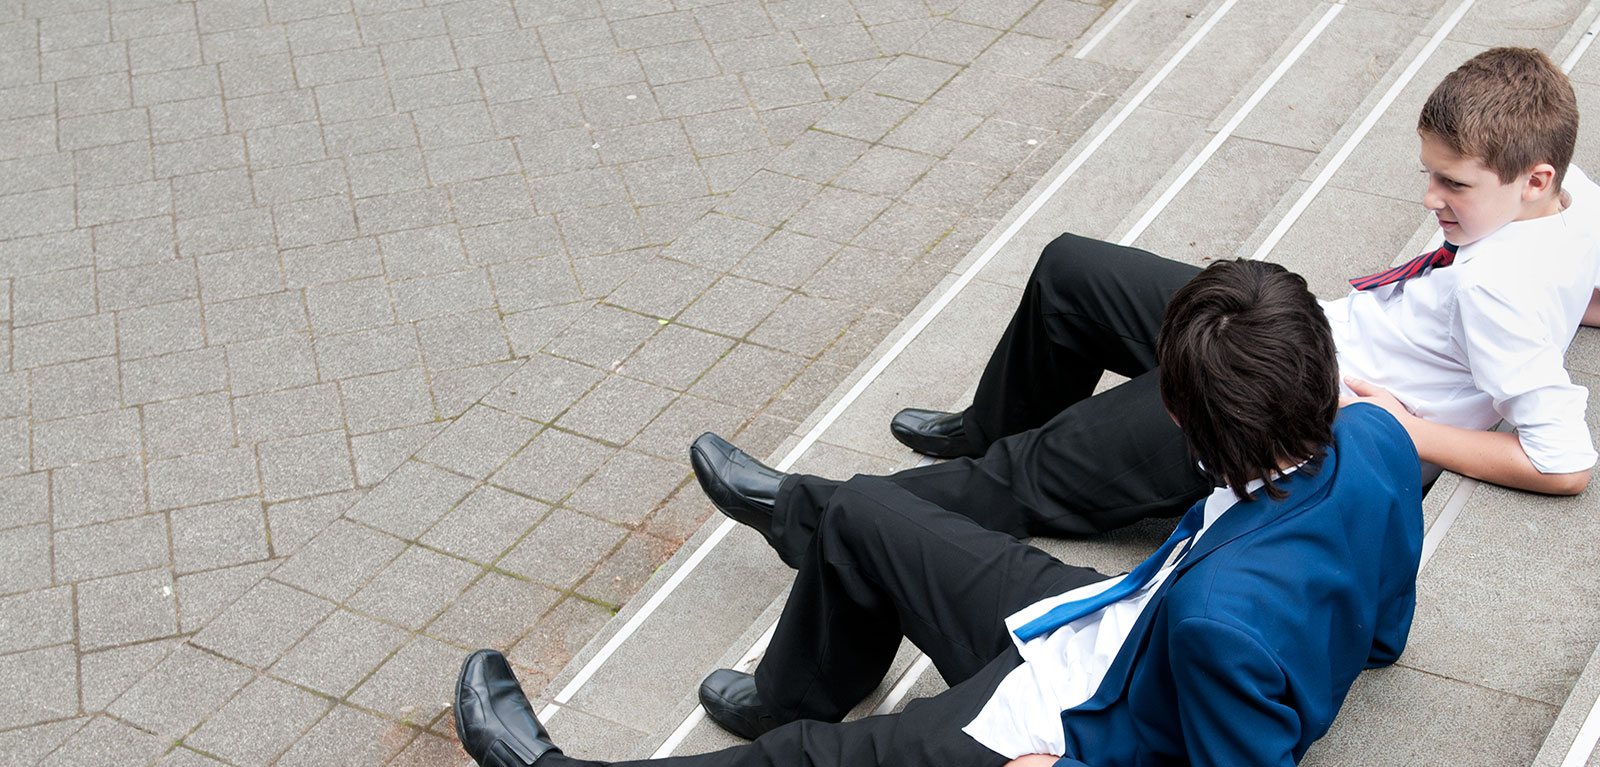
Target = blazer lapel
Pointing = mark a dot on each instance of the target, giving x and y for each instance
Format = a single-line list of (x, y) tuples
[(1305, 490)]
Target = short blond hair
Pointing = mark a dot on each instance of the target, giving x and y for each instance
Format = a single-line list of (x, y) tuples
[(1510, 108)]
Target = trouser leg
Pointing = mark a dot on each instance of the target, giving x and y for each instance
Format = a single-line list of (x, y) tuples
[(885, 564), (927, 732), (1088, 307), (1100, 464)]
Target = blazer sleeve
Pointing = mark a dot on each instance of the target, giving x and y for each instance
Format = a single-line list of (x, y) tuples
[(1230, 697)]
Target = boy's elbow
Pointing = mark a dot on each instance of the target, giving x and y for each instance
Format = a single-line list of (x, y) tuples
[(1568, 484)]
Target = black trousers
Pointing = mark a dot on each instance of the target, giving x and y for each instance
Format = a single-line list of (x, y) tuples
[(1057, 460), (881, 564)]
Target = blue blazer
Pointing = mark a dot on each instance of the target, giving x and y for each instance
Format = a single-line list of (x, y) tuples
[(1257, 636)]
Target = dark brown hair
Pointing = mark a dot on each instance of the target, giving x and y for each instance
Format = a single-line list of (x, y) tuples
[(1248, 370), (1510, 108)]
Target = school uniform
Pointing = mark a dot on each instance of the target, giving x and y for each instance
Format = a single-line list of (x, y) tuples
[(1466, 345)]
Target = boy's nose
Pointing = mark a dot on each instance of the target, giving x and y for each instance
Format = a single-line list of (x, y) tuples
[(1431, 198)]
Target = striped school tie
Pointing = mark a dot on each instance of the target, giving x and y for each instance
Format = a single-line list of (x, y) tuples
[(1444, 256)]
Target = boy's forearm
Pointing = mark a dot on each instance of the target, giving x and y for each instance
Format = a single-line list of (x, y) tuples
[(1492, 456)]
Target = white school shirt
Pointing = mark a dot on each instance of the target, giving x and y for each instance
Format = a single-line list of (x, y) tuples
[(1486, 337), (1063, 669)]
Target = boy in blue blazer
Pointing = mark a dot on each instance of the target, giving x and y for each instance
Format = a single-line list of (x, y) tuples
[(1234, 644)]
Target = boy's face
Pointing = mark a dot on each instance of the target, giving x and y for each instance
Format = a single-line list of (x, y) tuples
[(1468, 197)]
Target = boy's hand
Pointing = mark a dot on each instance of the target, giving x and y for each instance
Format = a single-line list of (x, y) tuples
[(1376, 395)]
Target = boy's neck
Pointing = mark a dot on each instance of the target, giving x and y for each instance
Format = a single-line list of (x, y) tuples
[(1547, 206)]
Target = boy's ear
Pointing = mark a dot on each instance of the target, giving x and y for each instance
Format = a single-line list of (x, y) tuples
[(1541, 182)]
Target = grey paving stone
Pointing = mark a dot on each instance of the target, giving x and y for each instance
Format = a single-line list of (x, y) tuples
[(661, 287), (463, 339), (543, 387), (494, 612), (706, 95), (442, 294), (605, 338), (662, 138), (432, 750), (627, 488), (302, 466), (14, 457), (484, 525), (220, 191), (339, 560), (676, 357), (479, 441), (348, 103), (598, 275), (838, 214), (30, 744), (491, 200), (271, 110), (749, 376), (271, 363), (218, 535), (415, 587), (376, 455), (456, 390), (262, 625), (731, 130), (148, 284), (183, 120), (259, 723), (300, 182), (126, 608), (96, 492), (74, 388), (63, 341), (605, 229), (386, 172), (619, 105), (27, 558), (105, 741), (344, 306), (245, 273), (225, 231), (115, 165), (412, 685), (86, 438), (24, 499), (319, 264), (579, 189), (616, 409), (36, 619), (346, 733), (383, 401), (532, 282), (295, 523), (204, 477), (204, 595), (106, 674), (190, 425), (367, 351), (310, 222), (287, 413), (411, 500), (663, 180), (562, 549), (170, 376), (111, 548)]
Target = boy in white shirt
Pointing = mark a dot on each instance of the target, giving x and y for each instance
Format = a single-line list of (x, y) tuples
[(1464, 337)]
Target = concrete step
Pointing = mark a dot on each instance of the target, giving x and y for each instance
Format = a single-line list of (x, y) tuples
[(642, 696)]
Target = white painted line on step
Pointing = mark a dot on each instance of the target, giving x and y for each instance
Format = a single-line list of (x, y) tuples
[(689, 722), (1365, 127), (903, 687), (1227, 130), (1101, 35), (1447, 517), (627, 630), (1583, 45), (638, 619), (1588, 735)]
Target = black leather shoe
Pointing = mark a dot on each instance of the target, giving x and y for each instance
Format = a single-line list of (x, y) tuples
[(933, 432), (730, 699), (740, 486), (494, 720)]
